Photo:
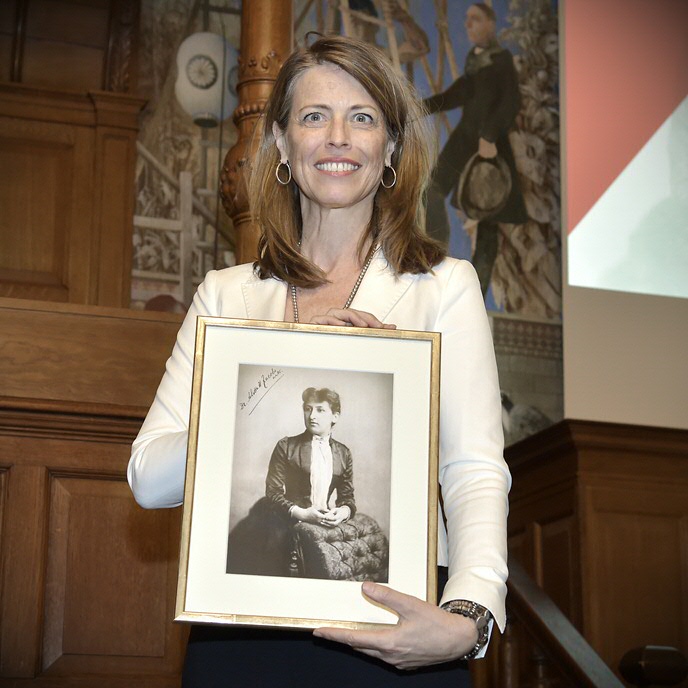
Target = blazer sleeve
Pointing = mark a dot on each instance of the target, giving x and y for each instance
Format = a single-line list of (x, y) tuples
[(474, 477), (345, 488), (157, 466), (276, 479)]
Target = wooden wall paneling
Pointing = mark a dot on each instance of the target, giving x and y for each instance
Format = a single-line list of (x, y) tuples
[(66, 21), (7, 20), (82, 356), (97, 605), (5, 53), (18, 28), (65, 44), (67, 184), (599, 517), (45, 222), (122, 51), (89, 578), (115, 158), (4, 472), (61, 65), (519, 547), (82, 45), (22, 568), (560, 563), (44, 104), (111, 579), (542, 523), (637, 569)]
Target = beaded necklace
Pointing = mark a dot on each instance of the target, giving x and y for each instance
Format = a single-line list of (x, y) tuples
[(349, 301)]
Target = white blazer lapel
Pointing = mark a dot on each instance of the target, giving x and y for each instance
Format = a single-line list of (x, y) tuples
[(381, 289), (264, 299)]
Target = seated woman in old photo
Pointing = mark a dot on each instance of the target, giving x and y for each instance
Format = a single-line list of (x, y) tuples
[(306, 473), (306, 469)]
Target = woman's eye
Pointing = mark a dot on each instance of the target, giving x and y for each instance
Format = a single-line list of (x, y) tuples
[(362, 118), (313, 117)]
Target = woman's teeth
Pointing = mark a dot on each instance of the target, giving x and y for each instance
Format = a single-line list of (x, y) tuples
[(337, 166)]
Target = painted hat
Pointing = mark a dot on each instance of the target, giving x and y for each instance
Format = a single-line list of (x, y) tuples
[(483, 188)]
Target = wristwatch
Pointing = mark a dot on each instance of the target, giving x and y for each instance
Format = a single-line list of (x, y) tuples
[(481, 615)]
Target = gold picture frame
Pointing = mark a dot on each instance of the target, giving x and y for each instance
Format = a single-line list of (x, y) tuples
[(243, 559)]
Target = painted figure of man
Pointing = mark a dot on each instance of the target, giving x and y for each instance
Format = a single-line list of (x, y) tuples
[(489, 95)]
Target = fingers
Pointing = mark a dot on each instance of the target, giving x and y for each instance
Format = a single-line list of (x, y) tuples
[(378, 644), (328, 521), (332, 523), (423, 635), (331, 520), (404, 605), (350, 317), (364, 641)]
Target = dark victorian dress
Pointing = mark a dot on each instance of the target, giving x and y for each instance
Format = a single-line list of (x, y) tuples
[(260, 543)]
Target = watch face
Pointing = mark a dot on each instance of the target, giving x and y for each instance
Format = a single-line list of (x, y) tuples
[(481, 621), (201, 71)]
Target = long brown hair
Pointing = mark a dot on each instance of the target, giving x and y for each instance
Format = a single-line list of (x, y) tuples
[(398, 218)]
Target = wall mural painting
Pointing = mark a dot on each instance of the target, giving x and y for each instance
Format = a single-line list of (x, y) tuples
[(488, 74), (501, 99), (171, 143)]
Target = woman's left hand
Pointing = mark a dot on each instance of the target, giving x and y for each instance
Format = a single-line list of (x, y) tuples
[(350, 316), (424, 634), (335, 517)]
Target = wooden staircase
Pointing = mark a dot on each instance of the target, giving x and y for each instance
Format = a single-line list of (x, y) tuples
[(598, 531)]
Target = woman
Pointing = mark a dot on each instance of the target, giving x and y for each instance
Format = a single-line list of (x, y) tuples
[(305, 471), (337, 189)]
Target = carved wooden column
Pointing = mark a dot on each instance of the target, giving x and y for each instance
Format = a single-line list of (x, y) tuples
[(266, 40)]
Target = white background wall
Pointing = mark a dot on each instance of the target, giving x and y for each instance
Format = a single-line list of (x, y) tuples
[(625, 354)]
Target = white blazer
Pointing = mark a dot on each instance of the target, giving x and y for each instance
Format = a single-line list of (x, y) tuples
[(473, 476)]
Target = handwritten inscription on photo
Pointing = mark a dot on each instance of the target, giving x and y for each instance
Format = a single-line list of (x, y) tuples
[(264, 383)]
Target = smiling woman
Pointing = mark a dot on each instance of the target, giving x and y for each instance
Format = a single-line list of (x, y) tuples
[(336, 143), (341, 102), (338, 188)]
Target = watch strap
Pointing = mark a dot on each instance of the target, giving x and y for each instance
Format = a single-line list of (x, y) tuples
[(481, 615)]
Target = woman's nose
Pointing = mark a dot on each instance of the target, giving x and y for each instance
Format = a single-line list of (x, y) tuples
[(339, 136)]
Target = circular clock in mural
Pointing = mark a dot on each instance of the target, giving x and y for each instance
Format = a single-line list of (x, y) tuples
[(202, 71)]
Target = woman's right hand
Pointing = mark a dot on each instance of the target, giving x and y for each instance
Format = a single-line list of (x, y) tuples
[(309, 515), (351, 317)]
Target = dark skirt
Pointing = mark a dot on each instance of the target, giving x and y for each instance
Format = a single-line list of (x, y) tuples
[(221, 656)]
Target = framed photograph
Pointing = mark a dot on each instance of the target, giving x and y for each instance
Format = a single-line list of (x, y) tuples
[(311, 467)]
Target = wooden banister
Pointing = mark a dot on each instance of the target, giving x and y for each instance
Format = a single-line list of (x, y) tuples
[(555, 635)]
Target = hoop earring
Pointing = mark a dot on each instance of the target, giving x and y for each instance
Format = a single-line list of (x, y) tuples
[(277, 172), (394, 181)]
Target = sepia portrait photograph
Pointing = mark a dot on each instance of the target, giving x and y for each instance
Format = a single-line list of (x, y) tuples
[(310, 487), (312, 466)]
